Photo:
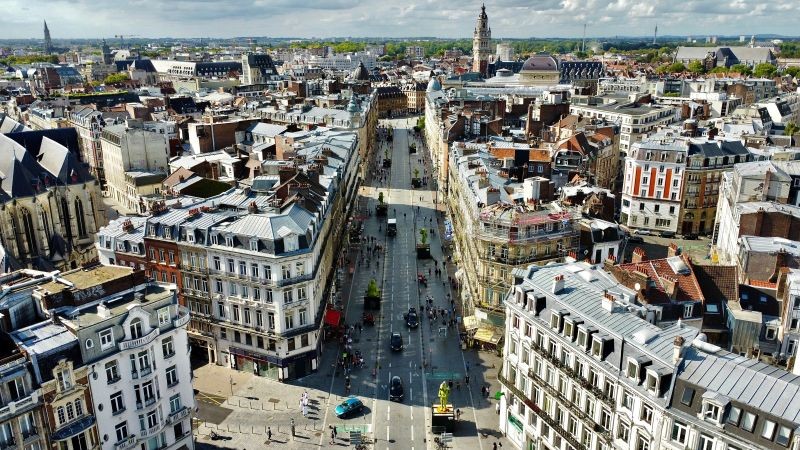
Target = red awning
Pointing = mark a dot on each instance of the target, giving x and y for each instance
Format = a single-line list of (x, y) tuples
[(333, 317)]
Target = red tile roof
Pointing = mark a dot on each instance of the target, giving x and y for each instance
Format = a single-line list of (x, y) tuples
[(763, 284), (688, 289)]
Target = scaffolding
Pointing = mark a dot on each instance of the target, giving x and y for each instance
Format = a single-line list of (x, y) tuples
[(521, 224)]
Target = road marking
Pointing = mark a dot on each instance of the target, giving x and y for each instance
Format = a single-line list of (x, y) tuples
[(387, 434), (412, 431)]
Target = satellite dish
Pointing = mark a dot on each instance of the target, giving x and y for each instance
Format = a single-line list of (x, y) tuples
[(637, 286)]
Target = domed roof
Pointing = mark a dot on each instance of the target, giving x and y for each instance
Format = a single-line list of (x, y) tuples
[(540, 62), (361, 73), (434, 85)]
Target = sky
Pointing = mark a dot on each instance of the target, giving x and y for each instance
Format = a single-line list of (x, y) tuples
[(21, 19)]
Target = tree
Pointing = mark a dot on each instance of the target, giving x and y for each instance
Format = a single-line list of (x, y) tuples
[(790, 129), (421, 122), (793, 71), (696, 67), (416, 172), (671, 68), (372, 289), (720, 69), (116, 78), (741, 69), (380, 198), (765, 70), (423, 236)]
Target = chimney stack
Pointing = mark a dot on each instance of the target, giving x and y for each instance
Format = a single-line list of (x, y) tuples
[(608, 302), (677, 349), (558, 284), (672, 250), (638, 255)]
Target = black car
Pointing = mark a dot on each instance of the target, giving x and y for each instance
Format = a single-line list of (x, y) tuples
[(635, 239), (396, 389), (396, 341), (668, 234), (412, 319), (690, 236)]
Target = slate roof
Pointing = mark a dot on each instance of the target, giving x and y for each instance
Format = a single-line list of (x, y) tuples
[(744, 380), (718, 148)]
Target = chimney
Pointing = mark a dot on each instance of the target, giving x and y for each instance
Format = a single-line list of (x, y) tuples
[(638, 255), (558, 284), (608, 302), (677, 349), (672, 250), (573, 255), (609, 262), (670, 286)]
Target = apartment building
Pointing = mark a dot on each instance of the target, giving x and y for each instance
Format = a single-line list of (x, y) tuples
[(584, 370), (653, 177), (635, 120), (89, 124), (499, 201), (131, 149), (137, 342), (21, 413)]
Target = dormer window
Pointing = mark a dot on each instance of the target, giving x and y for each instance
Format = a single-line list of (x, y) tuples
[(135, 328), (555, 321), (713, 407), (569, 330), (152, 230), (633, 369), (254, 245), (214, 239), (652, 382), (190, 236), (229, 241), (64, 380), (167, 232)]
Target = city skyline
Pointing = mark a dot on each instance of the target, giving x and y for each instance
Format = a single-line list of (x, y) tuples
[(352, 18)]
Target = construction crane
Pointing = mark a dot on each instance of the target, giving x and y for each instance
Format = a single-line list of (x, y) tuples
[(122, 37)]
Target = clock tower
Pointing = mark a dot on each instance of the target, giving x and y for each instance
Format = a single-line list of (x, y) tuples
[(480, 43)]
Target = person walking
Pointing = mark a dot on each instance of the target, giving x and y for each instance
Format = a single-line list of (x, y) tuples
[(291, 425), (333, 436), (334, 432), (269, 434)]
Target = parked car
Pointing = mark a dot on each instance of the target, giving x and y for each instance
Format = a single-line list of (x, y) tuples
[(635, 239), (642, 232), (412, 319), (396, 342), (690, 236), (396, 389), (350, 406), (668, 234)]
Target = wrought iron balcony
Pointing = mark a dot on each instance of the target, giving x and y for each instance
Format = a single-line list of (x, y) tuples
[(139, 342)]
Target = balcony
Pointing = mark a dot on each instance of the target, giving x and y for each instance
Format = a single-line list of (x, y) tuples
[(297, 279), (29, 435), (182, 319), (8, 444), (178, 415), (73, 428), (139, 342), (126, 443), (597, 392), (150, 432), (18, 407), (147, 402)]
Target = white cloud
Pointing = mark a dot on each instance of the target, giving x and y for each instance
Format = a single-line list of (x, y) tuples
[(443, 18)]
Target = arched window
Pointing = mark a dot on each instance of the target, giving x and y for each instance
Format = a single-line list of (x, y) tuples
[(30, 231), (45, 223), (65, 219), (78, 408), (136, 328), (80, 218)]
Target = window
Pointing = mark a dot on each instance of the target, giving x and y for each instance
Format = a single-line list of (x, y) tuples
[(687, 310), (734, 416), (748, 421), (121, 431), (290, 344), (646, 414), (175, 403), (61, 416), (78, 408), (627, 400), (135, 328), (688, 395), (217, 263), (106, 339), (768, 430), (112, 372), (303, 317), (254, 270), (116, 403), (231, 266), (652, 383), (301, 293), (624, 431), (167, 347), (784, 436), (236, 313), (287, 296), (218, 286), (289, 321), (706, 442), (286, 272), (633, 369), (605, 418), (89, 343), (555, 321), (679, 432), (172, 376), (712, 412), (242, 268), (64, 380), (642, 443), (299, 268)]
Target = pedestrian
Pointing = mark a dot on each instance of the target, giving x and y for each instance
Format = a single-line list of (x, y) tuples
[(458, 414), (269, 434), (333, 436), (494, 446), (334, 431), (291, 425), (466, 379)]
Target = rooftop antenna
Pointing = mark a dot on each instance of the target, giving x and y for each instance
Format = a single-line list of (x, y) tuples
[(583, 42)]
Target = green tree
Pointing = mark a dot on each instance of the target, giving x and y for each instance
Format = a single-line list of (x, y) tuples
[(421, 122), (416, 172), (790, 129), (116, 78), (720, 69), (741, 69), (372, 289), (423, 236), (696, 67), (765, 70), (793, 71), (671, 68)]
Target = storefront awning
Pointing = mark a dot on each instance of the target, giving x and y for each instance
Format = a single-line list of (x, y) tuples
[(333, 317), (470, 323), (488, 335)]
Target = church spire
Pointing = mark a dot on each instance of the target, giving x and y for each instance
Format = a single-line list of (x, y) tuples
[(48, 43)]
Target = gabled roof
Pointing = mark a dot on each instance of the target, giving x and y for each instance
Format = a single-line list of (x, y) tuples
[(688, 289), (718, 282)]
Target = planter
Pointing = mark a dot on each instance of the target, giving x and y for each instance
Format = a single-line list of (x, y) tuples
[(416, 182), (387, 162), (371, 302), (381, 210), (423, 251)]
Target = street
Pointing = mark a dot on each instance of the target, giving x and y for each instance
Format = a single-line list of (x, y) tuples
[(256, 403)]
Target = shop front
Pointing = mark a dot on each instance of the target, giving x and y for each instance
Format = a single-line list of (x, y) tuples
[(271, 366)]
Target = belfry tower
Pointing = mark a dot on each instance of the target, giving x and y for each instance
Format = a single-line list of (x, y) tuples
[(48, 43), (480, 43)]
